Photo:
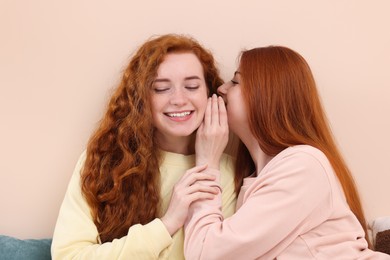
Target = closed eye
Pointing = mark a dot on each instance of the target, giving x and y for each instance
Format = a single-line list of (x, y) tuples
[(192, 87), (160, 90), (234, 82)]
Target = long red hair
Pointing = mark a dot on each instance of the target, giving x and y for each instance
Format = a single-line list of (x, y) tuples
[(284, 109), (120, 178)]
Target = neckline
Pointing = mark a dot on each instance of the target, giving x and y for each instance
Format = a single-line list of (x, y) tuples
[(178, 159)]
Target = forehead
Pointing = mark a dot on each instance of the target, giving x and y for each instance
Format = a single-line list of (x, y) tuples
[(180, 64)]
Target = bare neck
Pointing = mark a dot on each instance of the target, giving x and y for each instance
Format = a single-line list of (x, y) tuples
[(258, 156)]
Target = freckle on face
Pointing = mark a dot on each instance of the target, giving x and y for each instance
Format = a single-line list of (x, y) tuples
[(182, 72)]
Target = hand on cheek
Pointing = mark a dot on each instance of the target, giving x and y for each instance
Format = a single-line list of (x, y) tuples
[(212, 135)]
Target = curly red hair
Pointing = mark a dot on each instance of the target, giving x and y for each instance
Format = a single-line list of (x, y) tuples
[(120, 178)]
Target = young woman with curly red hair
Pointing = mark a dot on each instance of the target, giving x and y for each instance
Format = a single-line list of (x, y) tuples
[(118, 204), (298, 199)]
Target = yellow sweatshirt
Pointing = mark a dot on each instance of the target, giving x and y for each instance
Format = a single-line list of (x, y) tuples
[(76, 236)]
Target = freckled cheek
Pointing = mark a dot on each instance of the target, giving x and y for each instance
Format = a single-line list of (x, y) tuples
[(205, 98), (157, 104), (202, 106), (201, 101)]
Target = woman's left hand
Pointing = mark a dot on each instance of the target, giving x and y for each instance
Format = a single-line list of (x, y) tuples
[(213, 134)]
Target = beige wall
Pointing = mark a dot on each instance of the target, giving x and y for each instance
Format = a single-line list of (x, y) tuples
[(59, 60)]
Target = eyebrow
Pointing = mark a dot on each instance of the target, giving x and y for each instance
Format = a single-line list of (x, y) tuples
[(167, 80), (161, 80), (191, 77), (236, 72)]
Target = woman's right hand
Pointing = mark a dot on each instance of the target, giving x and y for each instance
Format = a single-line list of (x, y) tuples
[(194, 185)]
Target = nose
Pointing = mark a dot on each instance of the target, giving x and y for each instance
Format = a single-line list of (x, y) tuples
[(178, 98), (222, 90)]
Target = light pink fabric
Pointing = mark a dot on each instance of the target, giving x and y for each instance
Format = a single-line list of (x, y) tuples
[(294, 209)]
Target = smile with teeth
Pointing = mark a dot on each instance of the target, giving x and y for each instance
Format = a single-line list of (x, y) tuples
[(181, 114)]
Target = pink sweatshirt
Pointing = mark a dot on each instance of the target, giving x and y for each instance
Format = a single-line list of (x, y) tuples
[(294, 209)]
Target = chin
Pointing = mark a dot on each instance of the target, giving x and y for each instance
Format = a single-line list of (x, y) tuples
[(184, 133)]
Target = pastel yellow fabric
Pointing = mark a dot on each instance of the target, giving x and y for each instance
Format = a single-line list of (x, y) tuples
[(76, 236)]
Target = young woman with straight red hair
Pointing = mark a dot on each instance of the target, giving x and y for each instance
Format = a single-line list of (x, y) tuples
[(118, 204), (297, 197)]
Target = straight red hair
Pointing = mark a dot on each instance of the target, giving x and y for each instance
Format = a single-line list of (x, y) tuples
[(284, 109)]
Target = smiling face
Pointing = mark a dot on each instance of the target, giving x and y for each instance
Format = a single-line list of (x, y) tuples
[(178, 98)]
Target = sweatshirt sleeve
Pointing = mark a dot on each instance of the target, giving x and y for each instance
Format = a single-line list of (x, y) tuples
[(276, 209), (76, 236)]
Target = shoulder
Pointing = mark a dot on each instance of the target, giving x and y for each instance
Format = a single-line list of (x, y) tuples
[(81, 160), (78, 169), (303, 165), (301, 171), (305, 156), (80, 164), (74, 185)]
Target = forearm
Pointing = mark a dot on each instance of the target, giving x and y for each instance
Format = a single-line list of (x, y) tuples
[(202, 214), (142, 242)]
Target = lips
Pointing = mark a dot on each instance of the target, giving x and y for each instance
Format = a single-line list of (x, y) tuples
[(178, 114)]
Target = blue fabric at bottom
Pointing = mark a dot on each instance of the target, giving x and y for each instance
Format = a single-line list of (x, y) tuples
[(18, 249)]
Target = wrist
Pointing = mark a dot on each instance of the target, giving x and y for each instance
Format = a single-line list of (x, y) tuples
[(168, 225), (200, 161), (210, 162), (213, 165)]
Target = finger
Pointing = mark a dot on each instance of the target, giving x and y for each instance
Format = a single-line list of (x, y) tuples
[(198, 168), (198, 187), (214, 111), (207, 114), (181, 192), (209, 183), (200, 196), (223, 121), (199, 177), (194, 174)]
